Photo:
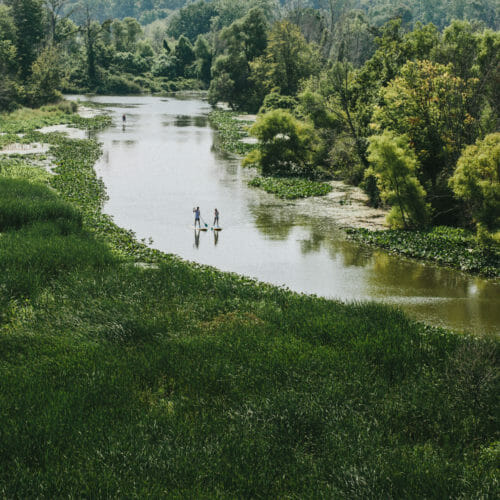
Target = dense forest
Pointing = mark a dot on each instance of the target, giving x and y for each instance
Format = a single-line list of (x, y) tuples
[(386, 95)]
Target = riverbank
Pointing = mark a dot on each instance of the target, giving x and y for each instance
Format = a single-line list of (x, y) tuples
[(180, 380), (348, 207)]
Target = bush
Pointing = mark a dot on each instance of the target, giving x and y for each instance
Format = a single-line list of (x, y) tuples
[(67, 107), (345, 162), (119, 84), (275, 100), (286, 146)]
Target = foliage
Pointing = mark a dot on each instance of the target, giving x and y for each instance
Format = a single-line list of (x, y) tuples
[(241, 43), (28, 120), (291, 188), (203, 55), (434, 108), (287, 60), (476, 180), (192, 20), (453, 247), (394, 165), (46, 75), (286, 145), (274, 100), (230, 131), (23, 203), (28, 17)]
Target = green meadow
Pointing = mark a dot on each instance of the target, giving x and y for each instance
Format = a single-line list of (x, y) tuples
[(125, 372)]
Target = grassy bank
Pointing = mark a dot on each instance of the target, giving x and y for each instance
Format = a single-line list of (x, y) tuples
[(177, 380), (447, 246)]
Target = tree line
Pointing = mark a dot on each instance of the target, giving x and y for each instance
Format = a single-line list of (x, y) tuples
[(400, 108)]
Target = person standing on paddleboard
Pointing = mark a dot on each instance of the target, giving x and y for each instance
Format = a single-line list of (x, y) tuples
[(216, 218), (197, 216)]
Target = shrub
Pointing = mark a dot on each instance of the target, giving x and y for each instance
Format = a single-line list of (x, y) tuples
[(286, 145)]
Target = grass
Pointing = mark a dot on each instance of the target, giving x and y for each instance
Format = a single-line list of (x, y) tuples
[(448, 246), (291, 188), (23, 203), (27, 119), (182, 381), (230, 131)]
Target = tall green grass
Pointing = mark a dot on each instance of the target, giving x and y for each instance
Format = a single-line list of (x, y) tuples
[(181, 381), (23, 202)]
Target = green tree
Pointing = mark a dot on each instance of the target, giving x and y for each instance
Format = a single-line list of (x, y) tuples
[(394, 165), (45, 77), (192, 20), (203, 53), (9, 87), (431, 106), (125, 34), (56, 12), (286, 145), (93, 33), (240, 44), (287, 60), (184, 55), (476, 181), (29, 21)]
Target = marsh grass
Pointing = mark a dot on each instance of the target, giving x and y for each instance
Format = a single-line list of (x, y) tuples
[(182, 381)]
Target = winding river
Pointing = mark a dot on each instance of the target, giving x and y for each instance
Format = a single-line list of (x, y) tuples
[(163, 162)]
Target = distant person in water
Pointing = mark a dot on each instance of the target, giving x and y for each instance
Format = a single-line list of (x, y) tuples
[(216, 218), (124, 118), (197, 216)]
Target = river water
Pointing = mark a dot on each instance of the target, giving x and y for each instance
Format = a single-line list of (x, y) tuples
[(163, 163)]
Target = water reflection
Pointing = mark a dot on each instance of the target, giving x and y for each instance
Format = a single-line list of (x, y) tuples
[(272, 221), (216, 237), (197, 238), (183, 121)]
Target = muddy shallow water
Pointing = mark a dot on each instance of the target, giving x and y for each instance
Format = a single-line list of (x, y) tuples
[(162, 162)]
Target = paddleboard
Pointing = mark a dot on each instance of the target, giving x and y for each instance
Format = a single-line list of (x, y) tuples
[(217, 228), (199, 228)]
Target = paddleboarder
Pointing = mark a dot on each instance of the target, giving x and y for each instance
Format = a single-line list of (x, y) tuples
[(197, 216), (216, 218)]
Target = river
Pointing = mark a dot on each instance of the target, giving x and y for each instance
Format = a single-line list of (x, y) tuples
[(163, 163)]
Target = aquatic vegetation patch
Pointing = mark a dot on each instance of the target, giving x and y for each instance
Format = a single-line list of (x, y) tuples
[(291, 187), (447, 246), (231, 131)]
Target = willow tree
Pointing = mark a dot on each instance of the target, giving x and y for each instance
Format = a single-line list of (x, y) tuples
[(394, 164)]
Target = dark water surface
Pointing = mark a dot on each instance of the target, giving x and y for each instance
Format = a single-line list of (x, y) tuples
[(163, 163)]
